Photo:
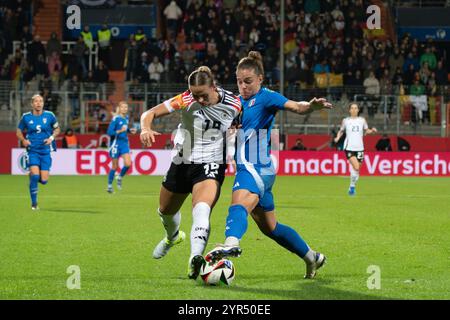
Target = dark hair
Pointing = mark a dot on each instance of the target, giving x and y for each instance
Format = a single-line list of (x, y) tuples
[(352, 103), (252, 61), (201, 76)]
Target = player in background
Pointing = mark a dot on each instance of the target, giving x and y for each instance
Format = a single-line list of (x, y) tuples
[(119, 145), (252, 190), (41, 129), (207, 112), (355, 127)]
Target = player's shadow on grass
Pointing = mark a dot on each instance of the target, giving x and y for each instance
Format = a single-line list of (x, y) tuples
[(316, 289), (296, 207), (72, 211)]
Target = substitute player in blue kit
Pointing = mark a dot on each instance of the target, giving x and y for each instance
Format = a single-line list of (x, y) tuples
[(41, 129), (252, 189), (119, 145)]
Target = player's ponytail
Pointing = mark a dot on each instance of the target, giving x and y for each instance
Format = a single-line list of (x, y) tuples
[(201, 76), (253, 61)]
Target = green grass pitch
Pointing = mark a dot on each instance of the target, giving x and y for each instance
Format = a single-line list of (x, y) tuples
[(400, 225)]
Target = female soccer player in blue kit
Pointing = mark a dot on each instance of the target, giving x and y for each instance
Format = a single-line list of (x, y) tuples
[(119, 145), (41, 130), (252, 190)]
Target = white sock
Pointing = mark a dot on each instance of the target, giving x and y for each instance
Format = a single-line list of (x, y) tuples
[(354, 176), (310, 256), (200, 228), (171, 223), (231, 242)]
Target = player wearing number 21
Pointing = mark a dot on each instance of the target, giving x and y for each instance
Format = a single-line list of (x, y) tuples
[(41, 129), (207, 112), (355, 128)]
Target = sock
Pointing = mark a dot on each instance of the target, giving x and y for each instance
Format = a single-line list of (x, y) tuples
[(123, 171), (34, 178), (236, 224), (354, 176), (171, 223), (288, 238), (200, 228), (111, 177), (310, 256), (43, 182)]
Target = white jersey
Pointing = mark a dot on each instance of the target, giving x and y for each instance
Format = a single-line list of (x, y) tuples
[(354, 131), (206, 127)]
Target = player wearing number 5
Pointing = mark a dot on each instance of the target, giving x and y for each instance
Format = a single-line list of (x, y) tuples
[(119, 146), (41, 130), (207, 112), (355, 128)]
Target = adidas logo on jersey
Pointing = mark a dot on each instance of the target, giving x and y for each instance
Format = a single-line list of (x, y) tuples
[(31, 122), (236, 185)]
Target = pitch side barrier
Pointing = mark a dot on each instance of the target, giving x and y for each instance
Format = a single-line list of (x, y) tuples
[(288, 163)]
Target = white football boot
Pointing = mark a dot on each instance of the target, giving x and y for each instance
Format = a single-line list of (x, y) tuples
[(311, 268), (165, 244)]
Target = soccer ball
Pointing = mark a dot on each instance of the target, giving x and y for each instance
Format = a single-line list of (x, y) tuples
[(216, 273)]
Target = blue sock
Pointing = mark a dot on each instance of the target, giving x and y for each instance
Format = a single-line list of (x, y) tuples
[(111, 176), (236, 221), (124, 171), (44, 182), (34, 178), (288, 238)]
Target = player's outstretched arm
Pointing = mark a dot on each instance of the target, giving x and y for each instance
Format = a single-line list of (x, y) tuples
[(305, 107), (147, 134)]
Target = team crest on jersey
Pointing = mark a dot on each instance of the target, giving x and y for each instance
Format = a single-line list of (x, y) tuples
[(252, 102), (45, 120)]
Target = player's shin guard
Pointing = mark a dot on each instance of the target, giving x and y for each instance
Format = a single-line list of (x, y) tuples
[(200, 228), (123, 172), (288, 238), (34, 178), (236, 223), (354, 176), (111, 176), (171, 223)]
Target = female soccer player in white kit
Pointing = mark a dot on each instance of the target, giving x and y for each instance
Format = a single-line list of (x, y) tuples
[(207, 113), (355, 128)]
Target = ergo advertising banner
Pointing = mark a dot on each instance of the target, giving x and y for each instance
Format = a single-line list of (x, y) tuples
[(157, 162)]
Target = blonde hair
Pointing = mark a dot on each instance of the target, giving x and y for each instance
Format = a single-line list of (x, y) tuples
[(35, 96), (201, 76), (118, 106)]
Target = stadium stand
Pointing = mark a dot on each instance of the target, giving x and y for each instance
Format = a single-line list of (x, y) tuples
[(328, 52)]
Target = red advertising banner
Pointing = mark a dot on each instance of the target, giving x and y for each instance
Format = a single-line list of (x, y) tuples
[(290, 163), (375, 163)]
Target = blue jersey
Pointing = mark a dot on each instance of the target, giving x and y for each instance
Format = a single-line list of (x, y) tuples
[(257, 119), (116, 124), (39, 128)]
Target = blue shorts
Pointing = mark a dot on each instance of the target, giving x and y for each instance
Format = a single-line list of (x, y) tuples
[(116, 150), (43, 161), (258, 181)]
